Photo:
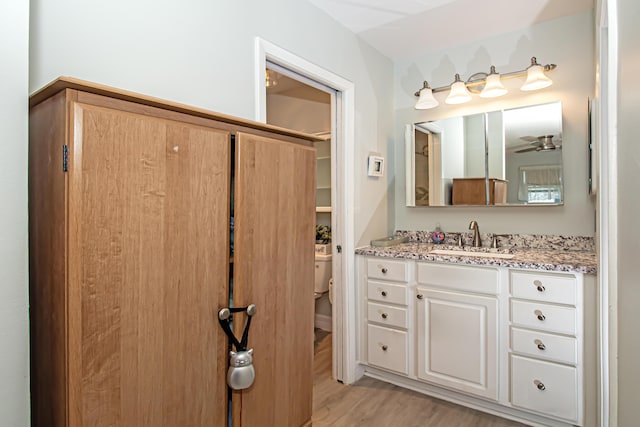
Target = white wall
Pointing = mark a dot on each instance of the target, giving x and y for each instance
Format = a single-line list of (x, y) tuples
[(201, 53), (567, 42), (14, 320), (628, 239)]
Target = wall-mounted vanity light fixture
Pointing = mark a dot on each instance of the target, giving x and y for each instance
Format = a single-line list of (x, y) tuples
[(487, 85)]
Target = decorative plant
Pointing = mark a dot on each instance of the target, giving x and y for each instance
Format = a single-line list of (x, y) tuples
[(323, 233)]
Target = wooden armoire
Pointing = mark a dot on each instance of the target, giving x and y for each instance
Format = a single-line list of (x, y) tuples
[(130, 205)]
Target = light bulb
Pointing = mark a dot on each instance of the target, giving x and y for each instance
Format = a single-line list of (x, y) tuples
[(536, 78), (426, 99), (493, 86), (459, 92)]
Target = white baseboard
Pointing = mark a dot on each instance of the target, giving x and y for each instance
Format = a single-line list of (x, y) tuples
[(323, 322)]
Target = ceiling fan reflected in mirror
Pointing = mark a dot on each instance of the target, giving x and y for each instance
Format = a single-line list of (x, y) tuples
[(541, 143)]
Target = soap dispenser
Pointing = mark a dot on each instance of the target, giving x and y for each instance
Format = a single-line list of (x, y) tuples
[(438, 235)]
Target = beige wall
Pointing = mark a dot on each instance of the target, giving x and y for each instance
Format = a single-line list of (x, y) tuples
[(628, 238), (567, 42), (14, 320)]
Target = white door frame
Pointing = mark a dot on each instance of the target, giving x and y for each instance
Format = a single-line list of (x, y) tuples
[(606, 125), (343, 219)]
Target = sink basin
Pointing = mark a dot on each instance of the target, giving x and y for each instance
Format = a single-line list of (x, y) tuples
[(461, 252), (389, 241)]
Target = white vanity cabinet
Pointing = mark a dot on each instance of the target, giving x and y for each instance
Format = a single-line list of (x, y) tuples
[(546, 344), (515, 342), (387, 315), (457, 327)]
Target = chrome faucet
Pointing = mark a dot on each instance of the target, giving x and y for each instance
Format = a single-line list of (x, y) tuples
[(476, 234)]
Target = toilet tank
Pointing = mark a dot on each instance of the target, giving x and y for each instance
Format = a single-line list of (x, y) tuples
[(323, 273)]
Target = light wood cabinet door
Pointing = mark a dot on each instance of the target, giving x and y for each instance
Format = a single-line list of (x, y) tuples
[(274, 269), (147, 270), (457, 341)]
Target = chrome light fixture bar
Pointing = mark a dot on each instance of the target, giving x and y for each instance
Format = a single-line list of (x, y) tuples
[(487, 85)]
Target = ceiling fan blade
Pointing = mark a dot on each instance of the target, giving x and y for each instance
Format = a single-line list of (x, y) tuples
[(527, 149), (529, 138)]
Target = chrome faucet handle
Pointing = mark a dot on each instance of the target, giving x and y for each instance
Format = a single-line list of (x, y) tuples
[(494, 240), (459, 241)]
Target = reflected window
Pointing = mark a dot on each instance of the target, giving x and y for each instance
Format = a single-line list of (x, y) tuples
[(540, 184)]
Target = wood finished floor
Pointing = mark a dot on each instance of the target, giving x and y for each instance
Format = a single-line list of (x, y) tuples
[(374, 403)]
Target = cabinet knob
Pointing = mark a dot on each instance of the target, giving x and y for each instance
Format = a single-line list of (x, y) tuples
[(420, 296), (383, 293), (539, 286), (539, 385), (384, 347), (384, 315), (384, 270), (539, 315), (540, 345)]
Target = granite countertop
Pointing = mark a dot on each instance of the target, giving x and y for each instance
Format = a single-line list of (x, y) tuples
[(577, 261)]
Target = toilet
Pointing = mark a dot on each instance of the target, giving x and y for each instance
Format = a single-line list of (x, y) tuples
[(323, 274)]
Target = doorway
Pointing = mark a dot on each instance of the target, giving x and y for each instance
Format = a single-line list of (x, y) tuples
[(341, 136)]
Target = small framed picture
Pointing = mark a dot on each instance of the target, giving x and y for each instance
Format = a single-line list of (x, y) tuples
[(376, 166)]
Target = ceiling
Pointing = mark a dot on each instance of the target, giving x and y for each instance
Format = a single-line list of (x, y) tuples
[(402, 29)]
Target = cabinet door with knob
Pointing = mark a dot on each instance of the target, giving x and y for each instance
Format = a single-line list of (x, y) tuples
[(129, 264), (457, 341), (458, 331), (274, 198)]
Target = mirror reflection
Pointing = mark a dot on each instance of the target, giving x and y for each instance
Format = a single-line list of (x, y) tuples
[(506, 157)]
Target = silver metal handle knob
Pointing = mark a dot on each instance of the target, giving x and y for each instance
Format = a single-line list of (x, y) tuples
[(539, 285), (539, 315), (384, 315), (540, 345), (540, 385), (383, 293), (420, 296), (384, 270), (384, 348)]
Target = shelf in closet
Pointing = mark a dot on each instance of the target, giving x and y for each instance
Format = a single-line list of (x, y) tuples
[(323, 158), (322, 209)]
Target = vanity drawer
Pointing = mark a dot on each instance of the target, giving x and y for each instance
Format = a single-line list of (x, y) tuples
[(387, 348), (457, 277), (544, 317), (387, 315), (381, 268), (387, 292), (561, 289), (548, 388), (544, 346)]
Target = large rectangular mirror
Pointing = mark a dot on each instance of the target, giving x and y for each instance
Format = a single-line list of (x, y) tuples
[(499, 158)]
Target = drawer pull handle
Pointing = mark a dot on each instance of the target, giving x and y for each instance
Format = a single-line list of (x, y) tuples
[(539, 315), (384, 270), (420, 296), (539, 286), (384, 315), (540, 345), (383, 293), (384, 347), (540, 385)]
